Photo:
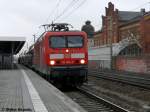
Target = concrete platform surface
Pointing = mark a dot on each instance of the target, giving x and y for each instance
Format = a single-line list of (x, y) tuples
[(22, 90)]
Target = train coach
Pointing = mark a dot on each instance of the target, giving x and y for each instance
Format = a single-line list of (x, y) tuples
[(61, 55)]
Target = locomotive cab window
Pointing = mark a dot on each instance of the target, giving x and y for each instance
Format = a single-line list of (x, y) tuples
[(66, 41), (57, 42), (75, 41)]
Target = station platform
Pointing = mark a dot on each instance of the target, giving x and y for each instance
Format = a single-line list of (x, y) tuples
[(9, 46), (22, 90)]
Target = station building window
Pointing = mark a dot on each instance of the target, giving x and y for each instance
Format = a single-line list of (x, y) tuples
[(132, 50)]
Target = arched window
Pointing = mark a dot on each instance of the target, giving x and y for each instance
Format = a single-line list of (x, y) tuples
[(132, 50)]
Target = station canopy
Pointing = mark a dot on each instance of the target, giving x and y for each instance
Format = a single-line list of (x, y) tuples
[(11, 45)]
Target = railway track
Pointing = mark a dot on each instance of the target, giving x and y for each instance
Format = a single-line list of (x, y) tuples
[(93, 103), (124, 78)]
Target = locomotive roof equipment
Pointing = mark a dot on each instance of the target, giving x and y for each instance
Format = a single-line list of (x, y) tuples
[(57, 27)]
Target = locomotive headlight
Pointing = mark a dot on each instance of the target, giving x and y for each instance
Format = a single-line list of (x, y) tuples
[(52, 62), (67, 50), (82, 61)]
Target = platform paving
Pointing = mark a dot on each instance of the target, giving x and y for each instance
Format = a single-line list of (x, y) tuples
[(14, 94), (22, 90)]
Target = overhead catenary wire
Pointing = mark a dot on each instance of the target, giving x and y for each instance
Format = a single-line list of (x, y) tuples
[(53, 10), (73, 10), (50, 14), (70, 9), (71, 4)]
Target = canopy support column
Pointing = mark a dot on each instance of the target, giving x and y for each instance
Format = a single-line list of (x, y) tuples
[(12, 53)]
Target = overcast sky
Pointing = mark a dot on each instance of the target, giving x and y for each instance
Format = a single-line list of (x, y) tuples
[(23, 17)]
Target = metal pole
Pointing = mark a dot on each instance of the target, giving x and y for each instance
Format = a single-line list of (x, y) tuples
[(27, 45), (2, 61), (110, 37), (12, 52), (34, 38)]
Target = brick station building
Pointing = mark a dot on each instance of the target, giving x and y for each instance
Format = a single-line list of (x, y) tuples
[(131, 32)]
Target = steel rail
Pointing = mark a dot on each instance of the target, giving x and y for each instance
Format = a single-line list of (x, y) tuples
[(128, 79), (108, 104)]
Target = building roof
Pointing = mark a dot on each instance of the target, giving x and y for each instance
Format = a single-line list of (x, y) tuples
[(11, 38), (128, 15), (134, 20), (10, 44)]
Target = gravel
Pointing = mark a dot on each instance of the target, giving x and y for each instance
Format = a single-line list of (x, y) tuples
[(129, 97)]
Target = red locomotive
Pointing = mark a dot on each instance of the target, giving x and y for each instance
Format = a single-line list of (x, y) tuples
[(61, 55)]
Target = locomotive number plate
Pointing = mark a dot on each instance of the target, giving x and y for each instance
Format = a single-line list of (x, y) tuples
[(67, 56)]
